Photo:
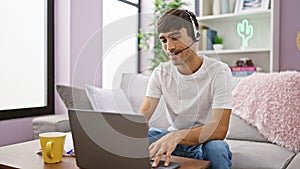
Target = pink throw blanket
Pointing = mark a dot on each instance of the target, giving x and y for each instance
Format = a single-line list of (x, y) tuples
[(271, 103)]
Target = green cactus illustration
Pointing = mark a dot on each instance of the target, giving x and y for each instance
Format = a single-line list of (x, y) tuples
[(245, 30)]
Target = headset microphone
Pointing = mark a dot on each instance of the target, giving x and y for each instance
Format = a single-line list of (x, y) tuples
[(179, 51)]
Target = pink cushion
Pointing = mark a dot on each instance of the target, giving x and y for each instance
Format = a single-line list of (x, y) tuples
[(270, 102)]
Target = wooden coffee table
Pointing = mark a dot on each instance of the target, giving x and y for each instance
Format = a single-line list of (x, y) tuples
[(24, 155)]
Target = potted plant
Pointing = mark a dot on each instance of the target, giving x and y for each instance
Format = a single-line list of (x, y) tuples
[(218, 43), (145, 37)]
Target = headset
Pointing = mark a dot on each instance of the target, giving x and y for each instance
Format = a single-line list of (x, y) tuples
[(197, 34)]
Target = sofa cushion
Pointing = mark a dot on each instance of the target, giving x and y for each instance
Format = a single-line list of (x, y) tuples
[(258, 155), (108, 100), (73, 97), (135, 86), (295, 163), (59, 123), (240, 130), (270, 102)]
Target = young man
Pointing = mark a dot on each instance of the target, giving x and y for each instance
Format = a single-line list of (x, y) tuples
[(197, 94)]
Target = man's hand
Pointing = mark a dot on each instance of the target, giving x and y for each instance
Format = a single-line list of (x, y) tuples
[(167, 145)]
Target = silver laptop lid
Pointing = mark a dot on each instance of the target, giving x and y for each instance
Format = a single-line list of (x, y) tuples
[(109, 140)]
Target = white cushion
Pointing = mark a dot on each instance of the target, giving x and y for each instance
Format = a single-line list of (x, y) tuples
[(135, 86), (240, 130), (108, 100)]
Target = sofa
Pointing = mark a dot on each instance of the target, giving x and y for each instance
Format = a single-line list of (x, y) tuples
[(251, 150)]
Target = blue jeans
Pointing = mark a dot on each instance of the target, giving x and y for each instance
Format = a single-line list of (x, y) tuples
[(215, 151)]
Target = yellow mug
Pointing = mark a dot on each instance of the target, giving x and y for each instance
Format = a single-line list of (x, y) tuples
[(52, 144)]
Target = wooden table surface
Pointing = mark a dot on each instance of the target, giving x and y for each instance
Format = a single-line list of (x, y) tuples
[(24, 155)]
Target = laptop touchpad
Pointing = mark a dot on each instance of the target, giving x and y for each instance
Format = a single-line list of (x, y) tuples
[(172, 165)]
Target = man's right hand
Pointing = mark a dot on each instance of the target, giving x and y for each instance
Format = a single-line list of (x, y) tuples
[(165, 145)]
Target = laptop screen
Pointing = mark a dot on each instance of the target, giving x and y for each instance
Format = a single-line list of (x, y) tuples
[(111, 140)]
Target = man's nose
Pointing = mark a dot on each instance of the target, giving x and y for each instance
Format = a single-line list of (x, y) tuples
[(170, 46)]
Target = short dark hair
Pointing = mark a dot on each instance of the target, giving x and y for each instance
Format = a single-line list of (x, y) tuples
[(175, 19)]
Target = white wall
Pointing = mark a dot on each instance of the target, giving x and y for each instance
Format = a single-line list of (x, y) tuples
[(120, 42)]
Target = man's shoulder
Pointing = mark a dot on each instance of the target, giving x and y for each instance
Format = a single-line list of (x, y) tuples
[(210, 60), (215, 64)]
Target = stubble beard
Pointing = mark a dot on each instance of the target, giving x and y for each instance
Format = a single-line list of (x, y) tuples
[(181, 61), (177, 62)]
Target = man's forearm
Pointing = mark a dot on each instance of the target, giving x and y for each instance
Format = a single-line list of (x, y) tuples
[(215, 130), (201, 134)]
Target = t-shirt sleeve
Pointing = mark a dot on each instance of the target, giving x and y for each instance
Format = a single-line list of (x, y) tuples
[(222, 84), (154, 84)]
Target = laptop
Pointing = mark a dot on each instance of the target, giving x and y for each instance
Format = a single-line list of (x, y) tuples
[(111, 140)]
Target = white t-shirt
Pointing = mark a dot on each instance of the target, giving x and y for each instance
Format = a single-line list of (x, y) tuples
[(189, 99)]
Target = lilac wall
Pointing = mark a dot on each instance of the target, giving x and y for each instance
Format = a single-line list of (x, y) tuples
[(289, 27), (62, 48), (14, 131), (86, 40)]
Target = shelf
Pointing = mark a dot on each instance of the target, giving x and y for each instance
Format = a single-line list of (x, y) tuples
[(263, 46), (233, 51), (233, 16)]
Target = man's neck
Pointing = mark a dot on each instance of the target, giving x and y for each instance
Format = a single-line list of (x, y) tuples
[(191, 66)]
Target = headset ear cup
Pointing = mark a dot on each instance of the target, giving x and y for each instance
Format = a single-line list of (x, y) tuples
[(196, 32), (197, 35)]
